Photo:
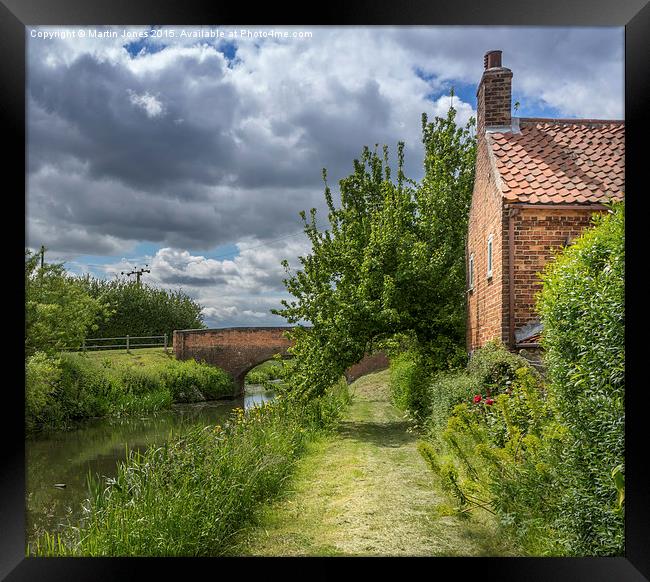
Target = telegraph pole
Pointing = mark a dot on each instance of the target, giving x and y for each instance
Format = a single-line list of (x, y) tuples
[(42, 256), (137, 273)]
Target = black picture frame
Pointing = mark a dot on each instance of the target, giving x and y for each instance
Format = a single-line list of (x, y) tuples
[(634, 15)]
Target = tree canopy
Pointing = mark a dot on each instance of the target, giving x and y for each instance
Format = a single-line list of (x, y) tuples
[(142, 310), (59, 312), (391, 261), (62, 309)]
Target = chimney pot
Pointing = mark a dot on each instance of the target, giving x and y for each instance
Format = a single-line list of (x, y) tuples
[(492, 59)]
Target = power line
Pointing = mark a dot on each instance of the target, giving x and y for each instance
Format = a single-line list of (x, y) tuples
[(137, 273)]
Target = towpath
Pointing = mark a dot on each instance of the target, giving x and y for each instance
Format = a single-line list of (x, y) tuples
[(366, 491)]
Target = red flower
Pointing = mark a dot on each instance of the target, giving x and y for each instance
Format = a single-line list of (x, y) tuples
[(489, 401), (477, 398)]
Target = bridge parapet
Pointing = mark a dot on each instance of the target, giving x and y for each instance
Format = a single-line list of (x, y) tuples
[(234, 349), (239, 349)]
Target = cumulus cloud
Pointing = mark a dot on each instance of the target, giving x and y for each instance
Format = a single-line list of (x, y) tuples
[(149, 103), (192, 143), (234, 291)]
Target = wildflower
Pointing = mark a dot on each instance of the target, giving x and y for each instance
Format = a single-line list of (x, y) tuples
[(477, 398), (489, 401)]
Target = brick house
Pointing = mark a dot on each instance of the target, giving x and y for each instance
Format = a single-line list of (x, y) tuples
[(537, 184)]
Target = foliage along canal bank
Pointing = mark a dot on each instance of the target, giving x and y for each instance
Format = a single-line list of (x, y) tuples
[(192, 495), (58, 463), (63, 310), (61, 389)]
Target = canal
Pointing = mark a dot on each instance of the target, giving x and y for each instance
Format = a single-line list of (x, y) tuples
[(58, 463)]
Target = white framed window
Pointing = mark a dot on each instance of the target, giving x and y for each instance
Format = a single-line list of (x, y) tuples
[(470, 285), (489, 256)]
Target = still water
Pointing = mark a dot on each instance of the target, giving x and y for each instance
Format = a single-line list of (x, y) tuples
[(97, 445)]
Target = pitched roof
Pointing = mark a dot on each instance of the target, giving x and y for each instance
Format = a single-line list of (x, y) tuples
[(559, 161)]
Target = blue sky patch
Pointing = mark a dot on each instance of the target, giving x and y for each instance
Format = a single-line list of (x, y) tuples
[(223, 252), (136, 47), (229, 50)]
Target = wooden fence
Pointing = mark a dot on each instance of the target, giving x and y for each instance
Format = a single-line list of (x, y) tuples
[(128, 342)]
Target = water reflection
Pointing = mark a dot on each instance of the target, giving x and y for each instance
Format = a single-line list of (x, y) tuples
[(66, 457)]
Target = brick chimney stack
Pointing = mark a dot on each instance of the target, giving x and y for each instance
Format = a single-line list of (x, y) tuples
[(494, 95)]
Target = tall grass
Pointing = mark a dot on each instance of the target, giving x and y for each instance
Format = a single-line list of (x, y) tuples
[(60, 391), (192, 496)]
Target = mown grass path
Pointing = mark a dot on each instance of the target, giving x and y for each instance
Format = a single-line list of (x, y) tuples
[(366, 491)]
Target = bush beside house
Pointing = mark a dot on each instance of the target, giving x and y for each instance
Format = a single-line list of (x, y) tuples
[(545, 456)]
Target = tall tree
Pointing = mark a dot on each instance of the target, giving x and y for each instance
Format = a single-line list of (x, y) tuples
[(391, 261), (142, 310), (58, 310)]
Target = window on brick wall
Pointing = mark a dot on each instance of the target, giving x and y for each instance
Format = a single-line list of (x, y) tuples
[(489, 256), (470, 285)]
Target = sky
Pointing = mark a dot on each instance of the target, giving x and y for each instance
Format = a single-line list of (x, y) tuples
[(193, 149)]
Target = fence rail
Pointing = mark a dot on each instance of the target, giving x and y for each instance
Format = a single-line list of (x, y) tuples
[(127, 344)]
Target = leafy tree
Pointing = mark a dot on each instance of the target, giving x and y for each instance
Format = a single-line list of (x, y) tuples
[(391, 261), (142, 310), (58, 310)]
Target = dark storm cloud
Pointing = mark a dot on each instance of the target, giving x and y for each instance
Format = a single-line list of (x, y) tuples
[(186, 175), (115, 138), (182, 148)]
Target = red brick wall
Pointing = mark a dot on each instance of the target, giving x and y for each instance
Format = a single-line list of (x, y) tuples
[(539, 233), (487, 308), (235, 350), (239, 349), (370, 363)]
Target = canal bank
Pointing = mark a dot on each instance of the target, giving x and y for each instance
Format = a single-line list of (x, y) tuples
[(366, 491), (58, 462)]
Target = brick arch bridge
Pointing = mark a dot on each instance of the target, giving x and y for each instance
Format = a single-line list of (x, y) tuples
[(237, 350)]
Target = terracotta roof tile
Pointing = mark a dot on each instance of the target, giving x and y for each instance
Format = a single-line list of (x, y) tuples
[(561, 160)]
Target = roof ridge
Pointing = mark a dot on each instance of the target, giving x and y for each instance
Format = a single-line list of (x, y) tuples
[(568, 120)]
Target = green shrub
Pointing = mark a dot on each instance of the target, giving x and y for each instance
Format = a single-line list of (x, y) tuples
[(446, 390), (494, 367), (85, 389), (409, 376), (42, 374), (257, 377), (264, 373), (490, 371), (583, 311), (501, 454), (190, 381), (137, 380)]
